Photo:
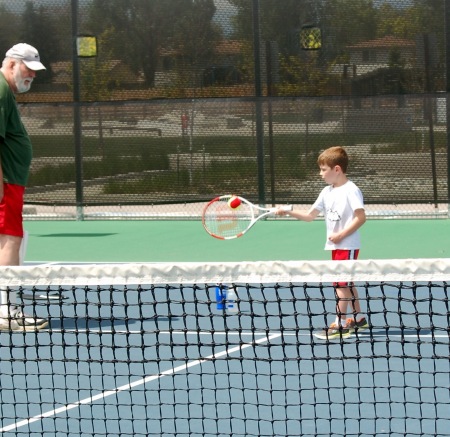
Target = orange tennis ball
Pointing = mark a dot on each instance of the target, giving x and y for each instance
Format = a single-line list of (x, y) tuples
[(234, 202)]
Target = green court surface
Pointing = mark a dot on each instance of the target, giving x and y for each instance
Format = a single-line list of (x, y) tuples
[(183, 241)]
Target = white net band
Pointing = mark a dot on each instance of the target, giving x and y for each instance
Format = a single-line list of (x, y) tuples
[(229, 272)]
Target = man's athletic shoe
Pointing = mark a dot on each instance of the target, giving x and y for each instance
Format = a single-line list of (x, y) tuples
[(333, 331), (359, 325), (19, 321)]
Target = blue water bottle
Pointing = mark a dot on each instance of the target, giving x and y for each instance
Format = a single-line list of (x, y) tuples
[(232, 306), (221, 296)]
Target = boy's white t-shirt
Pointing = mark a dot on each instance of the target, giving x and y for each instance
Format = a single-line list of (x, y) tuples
[(338, 204)]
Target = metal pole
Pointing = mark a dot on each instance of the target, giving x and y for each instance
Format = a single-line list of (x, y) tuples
[(258, 103), (77, 114), (270, 116), (447, 90), (429, 115)]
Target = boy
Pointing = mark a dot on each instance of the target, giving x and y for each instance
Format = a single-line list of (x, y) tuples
[(342, 204)]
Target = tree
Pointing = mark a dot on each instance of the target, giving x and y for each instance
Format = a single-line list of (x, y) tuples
[(38, 29), (282, 22), (302, 77), (279, 21), (347, 22), (9, 23), (393, 21), (139, 29)]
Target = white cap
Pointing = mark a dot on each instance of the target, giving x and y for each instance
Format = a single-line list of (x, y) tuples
[(27, 54)]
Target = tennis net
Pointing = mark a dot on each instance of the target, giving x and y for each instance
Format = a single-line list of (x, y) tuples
[(158, 349)]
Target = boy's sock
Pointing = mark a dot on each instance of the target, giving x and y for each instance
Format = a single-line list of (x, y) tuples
[(341, 322)]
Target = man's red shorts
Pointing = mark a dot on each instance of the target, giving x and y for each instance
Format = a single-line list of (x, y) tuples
[(344, 255), (11, 208)]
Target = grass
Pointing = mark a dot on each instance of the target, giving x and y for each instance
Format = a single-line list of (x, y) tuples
[(134, 158)]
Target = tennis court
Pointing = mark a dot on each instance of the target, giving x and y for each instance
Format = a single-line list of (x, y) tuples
[(258, 375), (157, 357), (147, 110)]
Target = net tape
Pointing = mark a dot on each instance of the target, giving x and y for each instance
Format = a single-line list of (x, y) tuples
[(427, 269)]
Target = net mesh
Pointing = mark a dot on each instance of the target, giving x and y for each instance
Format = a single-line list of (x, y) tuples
[(155, 349)]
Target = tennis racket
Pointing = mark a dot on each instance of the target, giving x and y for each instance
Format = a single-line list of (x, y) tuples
[(227, 217)]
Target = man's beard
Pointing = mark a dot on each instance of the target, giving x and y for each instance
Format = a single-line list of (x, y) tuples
[(22, 84)]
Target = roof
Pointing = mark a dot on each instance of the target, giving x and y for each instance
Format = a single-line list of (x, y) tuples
[(385, 42), (224, 47), (229, 47)]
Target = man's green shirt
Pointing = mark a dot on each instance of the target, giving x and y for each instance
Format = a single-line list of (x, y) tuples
[(16, 151)]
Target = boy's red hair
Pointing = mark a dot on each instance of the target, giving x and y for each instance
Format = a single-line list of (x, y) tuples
[(334, 156)]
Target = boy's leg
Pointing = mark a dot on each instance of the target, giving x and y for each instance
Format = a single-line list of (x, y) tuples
[(343, 289), (347, 293), (347, 297), (339, 328)]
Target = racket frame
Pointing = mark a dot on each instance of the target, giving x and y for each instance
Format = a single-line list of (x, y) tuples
[(257, 213)]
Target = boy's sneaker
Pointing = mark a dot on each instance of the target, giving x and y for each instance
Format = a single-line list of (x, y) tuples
[(19, 321), (358, 325), (333, 331)]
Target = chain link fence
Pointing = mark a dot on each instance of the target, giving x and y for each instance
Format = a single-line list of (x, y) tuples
[(189, 99)]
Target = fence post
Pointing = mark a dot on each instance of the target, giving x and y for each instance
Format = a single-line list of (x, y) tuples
[(77, 115), (258, 103), (447, 97)]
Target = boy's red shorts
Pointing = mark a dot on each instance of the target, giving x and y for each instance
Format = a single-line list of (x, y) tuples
[(11, 208), (344, 255)]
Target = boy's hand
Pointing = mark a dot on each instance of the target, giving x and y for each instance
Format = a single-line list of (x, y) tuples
[(358, 220), (335, 238), (280, 211)]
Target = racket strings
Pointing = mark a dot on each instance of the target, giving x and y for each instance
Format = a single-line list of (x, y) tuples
[(224, 221)]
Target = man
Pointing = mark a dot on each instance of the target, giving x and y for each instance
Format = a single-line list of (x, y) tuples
[(16, 76)]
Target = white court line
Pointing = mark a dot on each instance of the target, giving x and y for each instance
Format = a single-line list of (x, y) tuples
[(243, 334), (129, 386)]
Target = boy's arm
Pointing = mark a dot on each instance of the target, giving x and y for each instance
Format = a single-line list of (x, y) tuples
[(306, 216), (359, 219)]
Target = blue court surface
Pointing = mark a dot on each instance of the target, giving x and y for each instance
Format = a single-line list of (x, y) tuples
[(166, 361)]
